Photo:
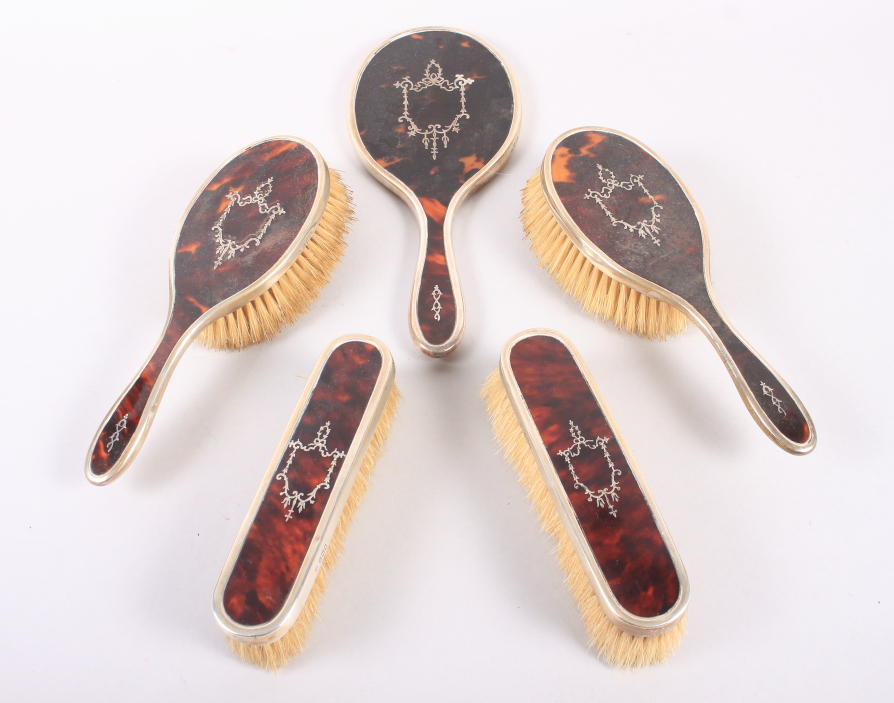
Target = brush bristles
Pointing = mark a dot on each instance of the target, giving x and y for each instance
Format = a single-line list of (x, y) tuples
[(599, 294), (615, 646), (278, 653), (297, 289)]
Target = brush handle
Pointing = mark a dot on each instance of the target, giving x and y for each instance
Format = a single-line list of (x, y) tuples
[(768, 398), (125, 427), (436, 310)]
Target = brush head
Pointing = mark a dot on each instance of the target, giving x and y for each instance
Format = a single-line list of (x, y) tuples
[(247, 224), (598, 293), (271, 586), (297, 289), (277, 654), (617, 513), (607, 201)]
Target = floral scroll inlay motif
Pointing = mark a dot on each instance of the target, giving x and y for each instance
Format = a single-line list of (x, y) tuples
[(116, 435), (436, 308), (228, 248), (293, 500), (645, 228), (604, 497), (433, 78), (773, 399)]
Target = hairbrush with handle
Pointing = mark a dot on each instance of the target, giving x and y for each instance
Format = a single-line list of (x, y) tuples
[(620, 561), (433, 115), (254, 249), (617, 229), (269, 589)]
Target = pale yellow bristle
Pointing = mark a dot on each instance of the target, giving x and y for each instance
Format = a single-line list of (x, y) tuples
[(614, 645), (278, 653), (297, 289), (599, 294)]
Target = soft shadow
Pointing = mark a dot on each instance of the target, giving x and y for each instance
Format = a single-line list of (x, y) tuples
[(706, 420)]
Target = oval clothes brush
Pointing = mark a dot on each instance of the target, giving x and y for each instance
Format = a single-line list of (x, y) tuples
[(616, 228), (255, 247), (620, 561), (269, 590), (433, 115)]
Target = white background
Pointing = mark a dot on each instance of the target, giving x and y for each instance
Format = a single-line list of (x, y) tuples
[(776, 115)]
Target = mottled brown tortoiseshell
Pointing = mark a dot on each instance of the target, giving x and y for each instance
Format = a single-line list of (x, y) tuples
[(580, 163), (275, 547), (622, 534), (434, 180), (197, 285)]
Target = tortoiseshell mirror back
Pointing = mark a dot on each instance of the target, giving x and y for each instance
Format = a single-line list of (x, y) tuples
[(433, 114)]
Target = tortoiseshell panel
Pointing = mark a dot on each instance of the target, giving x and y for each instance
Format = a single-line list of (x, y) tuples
[(644, 202), (675, 262), (434, 166), (281, 533), (379, 107), (294, 173), (610, 507), (291, 171)]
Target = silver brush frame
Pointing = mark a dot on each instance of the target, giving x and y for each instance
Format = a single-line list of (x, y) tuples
[(607, 265), (409, 197), (223, 308), (616, 613), (341, 490)]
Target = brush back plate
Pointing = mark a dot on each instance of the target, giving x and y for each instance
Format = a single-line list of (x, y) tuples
[(617, 532), (278, 553), (205, 274), (643, 202)]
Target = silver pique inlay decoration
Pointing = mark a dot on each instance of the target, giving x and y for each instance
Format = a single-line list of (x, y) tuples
[(436, 308), (604, 497), (645, 228), (116, 435), (773, 399), (434, 78), (293, 500), (228, 248)]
